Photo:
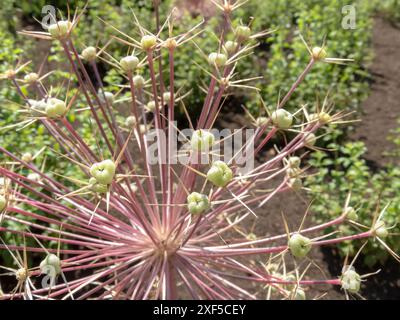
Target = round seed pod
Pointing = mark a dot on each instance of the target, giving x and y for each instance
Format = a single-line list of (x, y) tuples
[(138, 81), (310, 140), (55, 108), (299, 245), (89, 54), (242, 33), (381, 231), (151, 106), (217, 59), (202, 140), (27, 157), (166, 97), (197, 203), (295, 183), (103, 171), (231, 46), (294, 162), (321, 117), (220, 174), (60, 29), (31, 78), (350, 280), (129, 63), (319, 53), (35, 177), (130, 122), (148, 42), (3, 202), (51, 265), (282, 119)]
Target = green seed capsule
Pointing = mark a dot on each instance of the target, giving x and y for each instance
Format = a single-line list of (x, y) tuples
[(129, 63), (60, 29), (89, 54), (148, 42), (197, 203), (282, 119), (295, 183), (294, 162), (27, 157), (242, 33), (220, 174), (130, 122), (202, 140), (31, 78), (231, 46), (319, 53), (138, 81), (103, 171), (3, 202), (350, 280), (299, 245), (51, 265), (166, 97), (321, 117), (217, 59), (151, 106), (55, 108), (381, 231), (310, 140)]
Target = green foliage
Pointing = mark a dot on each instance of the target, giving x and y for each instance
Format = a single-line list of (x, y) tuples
[(346, 172)]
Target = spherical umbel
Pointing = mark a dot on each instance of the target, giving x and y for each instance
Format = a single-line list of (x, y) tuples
[(282, 119), (197, 203), (220, 174), (202, 140), (299, 245), (103, 171)]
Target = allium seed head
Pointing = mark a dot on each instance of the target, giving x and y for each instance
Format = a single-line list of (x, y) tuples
[(242, 33), (231, 46), (130, 122), (138, 81), (55, 108)]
